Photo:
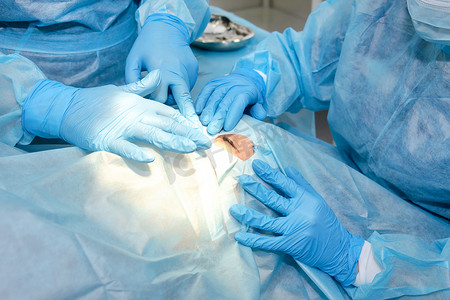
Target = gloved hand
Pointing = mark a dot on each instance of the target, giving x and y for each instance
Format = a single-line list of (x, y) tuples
[(223, 100), (163, 44), (109, 118), (309, 230)]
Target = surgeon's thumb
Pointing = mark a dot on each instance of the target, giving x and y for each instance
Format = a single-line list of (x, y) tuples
[(132, 69), (145, 86), (258, 111)]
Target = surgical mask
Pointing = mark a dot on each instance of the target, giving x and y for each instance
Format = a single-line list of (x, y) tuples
[(431, 19)]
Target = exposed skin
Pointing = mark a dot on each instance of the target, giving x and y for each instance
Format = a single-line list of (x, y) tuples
[(239, 145)]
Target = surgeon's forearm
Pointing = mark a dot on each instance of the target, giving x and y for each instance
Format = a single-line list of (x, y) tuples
[(318, 51), (194, 13), (368, 266), (18, 75), (300, 66)]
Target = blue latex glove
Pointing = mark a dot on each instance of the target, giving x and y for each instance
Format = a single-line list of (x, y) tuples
[(223, 100), (163, 44), (309, 230), (109, 118)]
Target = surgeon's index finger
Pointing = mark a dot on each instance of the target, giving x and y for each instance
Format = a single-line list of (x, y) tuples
[(268, 197), (182, 96), (218, 120), (256, 219), (236, 111), (177, 116), (173, 126), (130, 151), (203, 97), (163, 139), (258, 112), (253, 240), (213, 101), (275, 178)]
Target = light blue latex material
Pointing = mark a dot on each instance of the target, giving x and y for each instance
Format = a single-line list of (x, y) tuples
[(81, 43), (308, 229), (85, 43), (109, 118), (223, 100), (74, 229), (163, 44), (213, 64), (385, 87), (431, 19)]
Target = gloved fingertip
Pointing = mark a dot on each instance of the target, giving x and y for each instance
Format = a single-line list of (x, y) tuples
[(258, 112), (188, 146), (230, 123), (148, 160), (194, 121), (244, 178), (205, 118), (240, 238), (202, 141), (203, 145), (144, 157), (259, 165), (236, 210), (212, 129)]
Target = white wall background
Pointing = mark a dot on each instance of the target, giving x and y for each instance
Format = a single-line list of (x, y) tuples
[(272, 15), (233, 5)]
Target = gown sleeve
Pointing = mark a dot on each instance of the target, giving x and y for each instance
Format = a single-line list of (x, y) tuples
[(300, 66), (17, 77), (194, 13)]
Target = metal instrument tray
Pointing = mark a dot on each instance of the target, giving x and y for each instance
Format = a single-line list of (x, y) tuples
[(222, 34)]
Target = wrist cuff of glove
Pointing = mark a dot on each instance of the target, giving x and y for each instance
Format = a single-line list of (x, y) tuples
[(169, 20), (348, 272), (256, 78), (44, 108)]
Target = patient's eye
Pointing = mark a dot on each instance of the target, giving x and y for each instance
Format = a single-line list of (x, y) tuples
[(239, 145)]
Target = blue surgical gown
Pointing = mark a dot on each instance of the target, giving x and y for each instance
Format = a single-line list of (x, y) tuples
[(387, 91), (54, 228), (81, 43), (86, 42)]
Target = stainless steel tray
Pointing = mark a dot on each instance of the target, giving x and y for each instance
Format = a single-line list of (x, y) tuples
[(222, 34)]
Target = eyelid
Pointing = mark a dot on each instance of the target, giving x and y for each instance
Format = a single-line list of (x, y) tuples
[(239, 145), (227, 139)]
